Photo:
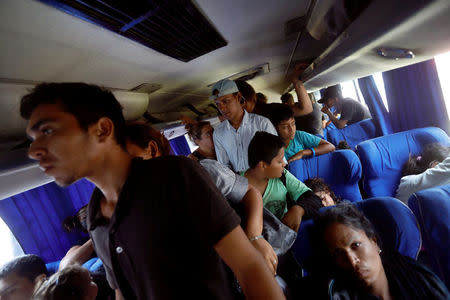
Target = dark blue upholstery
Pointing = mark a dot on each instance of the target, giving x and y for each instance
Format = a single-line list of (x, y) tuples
[(382, 158), (341, 169), (353, 134), (432, 210), (393, 221), (35, 217)]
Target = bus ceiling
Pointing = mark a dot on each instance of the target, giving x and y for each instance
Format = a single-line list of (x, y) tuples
[(339, 39)]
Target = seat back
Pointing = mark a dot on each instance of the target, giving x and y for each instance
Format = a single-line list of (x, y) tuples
[(353, 134), (382, 158), (393, 221), (432, 210), (341, 169)]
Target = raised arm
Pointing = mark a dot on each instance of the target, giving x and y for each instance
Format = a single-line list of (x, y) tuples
[(253, 204), (77, 255), (338, 123), (255, 278), (304, 104)]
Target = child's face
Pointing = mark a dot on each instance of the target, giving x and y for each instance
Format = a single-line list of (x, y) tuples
[(276, 167), (326, 198), (286, 129)]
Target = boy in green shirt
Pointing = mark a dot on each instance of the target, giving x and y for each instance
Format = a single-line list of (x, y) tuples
[(283, 194), (297, 143)]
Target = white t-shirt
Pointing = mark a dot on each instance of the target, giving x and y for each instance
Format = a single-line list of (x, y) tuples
[(439, 175)]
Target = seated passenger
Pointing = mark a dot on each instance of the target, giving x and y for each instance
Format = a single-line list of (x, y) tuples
[(428, 170), (146, 142), (78, 254), (19, 277), (351, 111), (232, 136), (323, 191), (201, 133), (307, 114), (73, 282), (361, 270), (283, 194), (298, 143)]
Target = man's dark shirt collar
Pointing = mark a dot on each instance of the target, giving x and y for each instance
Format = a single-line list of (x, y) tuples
[(95, 216)]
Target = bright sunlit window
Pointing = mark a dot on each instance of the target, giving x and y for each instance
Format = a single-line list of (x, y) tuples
[(443, 68), (191, 144), (378, 78), (350, 89), (10, 248)]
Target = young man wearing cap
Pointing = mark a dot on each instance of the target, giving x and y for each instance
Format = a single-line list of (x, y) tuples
[(232, 136), (160, 232), (351, 110)]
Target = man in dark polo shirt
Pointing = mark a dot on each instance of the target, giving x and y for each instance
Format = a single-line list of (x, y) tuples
[(351, 111), (161, 227)]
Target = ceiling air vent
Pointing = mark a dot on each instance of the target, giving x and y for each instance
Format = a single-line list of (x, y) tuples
[(175, 28)]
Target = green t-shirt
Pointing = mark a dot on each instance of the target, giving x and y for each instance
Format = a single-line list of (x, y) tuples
[(301, 141), (274, 198)]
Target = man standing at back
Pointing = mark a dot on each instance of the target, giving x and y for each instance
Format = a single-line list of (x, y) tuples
[(232, 136), (351, 110), (160, 226)]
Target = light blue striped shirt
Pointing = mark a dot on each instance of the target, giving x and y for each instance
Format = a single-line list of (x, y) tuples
[(232, 145)]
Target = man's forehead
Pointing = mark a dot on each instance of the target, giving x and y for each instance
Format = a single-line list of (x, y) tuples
[(288, 121), (228, 96)]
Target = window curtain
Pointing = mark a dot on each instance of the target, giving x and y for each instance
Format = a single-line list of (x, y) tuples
[(35, 217), (180, 146), (373, 100), (415, 97)]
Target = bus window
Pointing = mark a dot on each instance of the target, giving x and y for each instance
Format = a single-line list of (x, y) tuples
[(378, 77), (10, 247), (350, 89), (443, 69)]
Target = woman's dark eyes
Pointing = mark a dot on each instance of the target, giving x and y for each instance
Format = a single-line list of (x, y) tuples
[(356, 244), (47, 131)]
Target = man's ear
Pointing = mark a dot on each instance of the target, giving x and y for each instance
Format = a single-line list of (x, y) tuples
[(103, 129), (262, 165), (152, 149)]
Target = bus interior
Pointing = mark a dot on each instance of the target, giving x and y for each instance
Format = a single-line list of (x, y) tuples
[(160, 59)]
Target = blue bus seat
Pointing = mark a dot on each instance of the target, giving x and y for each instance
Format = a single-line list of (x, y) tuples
[(353, 134), (394, 222), (93, 265), (340, 169), (382, 158), (432, 210)]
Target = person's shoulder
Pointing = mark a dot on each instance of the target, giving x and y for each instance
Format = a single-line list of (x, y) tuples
[(162, 164), (257, 118), (220, 128)]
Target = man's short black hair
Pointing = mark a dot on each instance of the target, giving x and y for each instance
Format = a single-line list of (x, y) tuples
[(88, 103), (263, 147), (29, 266), (279, 113), (286, 97), (247, 91)]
